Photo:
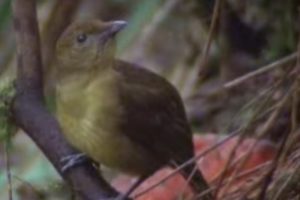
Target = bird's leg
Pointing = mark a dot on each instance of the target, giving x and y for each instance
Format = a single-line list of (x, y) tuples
[(195, 179), (72, 160), (132, 188)]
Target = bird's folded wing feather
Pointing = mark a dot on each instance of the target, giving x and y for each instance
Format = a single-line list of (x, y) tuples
[(153, 113)]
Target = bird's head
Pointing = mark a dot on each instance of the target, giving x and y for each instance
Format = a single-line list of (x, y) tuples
[(88, 43)]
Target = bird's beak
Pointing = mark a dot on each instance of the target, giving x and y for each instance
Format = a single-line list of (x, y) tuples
[(117, 26), (112, 29)]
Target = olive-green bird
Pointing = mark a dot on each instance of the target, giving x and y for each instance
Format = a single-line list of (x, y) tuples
[(117, 113)]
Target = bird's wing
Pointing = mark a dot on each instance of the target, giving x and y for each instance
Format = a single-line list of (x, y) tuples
[(153, 113)]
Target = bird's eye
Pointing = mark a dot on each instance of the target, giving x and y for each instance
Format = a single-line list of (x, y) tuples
[(81, 38)]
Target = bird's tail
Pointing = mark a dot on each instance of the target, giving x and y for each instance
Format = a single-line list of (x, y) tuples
[(197, 182)]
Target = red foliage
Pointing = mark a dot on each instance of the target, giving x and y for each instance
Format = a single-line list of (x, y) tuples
[(211, 165)]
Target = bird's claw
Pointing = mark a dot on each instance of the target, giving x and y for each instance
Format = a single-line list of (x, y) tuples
[(72, 160)]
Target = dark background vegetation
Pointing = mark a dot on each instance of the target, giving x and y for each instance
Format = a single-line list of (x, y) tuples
[(203, 49)]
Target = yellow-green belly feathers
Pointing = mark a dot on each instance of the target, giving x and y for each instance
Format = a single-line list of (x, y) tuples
[(88, 113)]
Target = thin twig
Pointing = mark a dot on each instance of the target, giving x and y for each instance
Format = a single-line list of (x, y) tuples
[(190, 161), (240, 140), (269, 67), (268, 177), (249, 172), (239, 80), (252, 187), (285, 184), (237, 165), (212, 29), (293, 136), (202, 60), (260, 135)]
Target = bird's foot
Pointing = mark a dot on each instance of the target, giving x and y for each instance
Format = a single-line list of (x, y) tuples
[(72, 160)]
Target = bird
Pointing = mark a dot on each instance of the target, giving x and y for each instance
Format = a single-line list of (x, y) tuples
[(117, 113)]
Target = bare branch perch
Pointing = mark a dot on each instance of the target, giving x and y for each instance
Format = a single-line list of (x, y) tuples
[(31, 115)]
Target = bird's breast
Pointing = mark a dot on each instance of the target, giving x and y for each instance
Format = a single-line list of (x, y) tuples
[(90, 117)]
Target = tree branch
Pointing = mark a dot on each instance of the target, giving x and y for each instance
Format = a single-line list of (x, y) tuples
[(31, 115), (59, 18)]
